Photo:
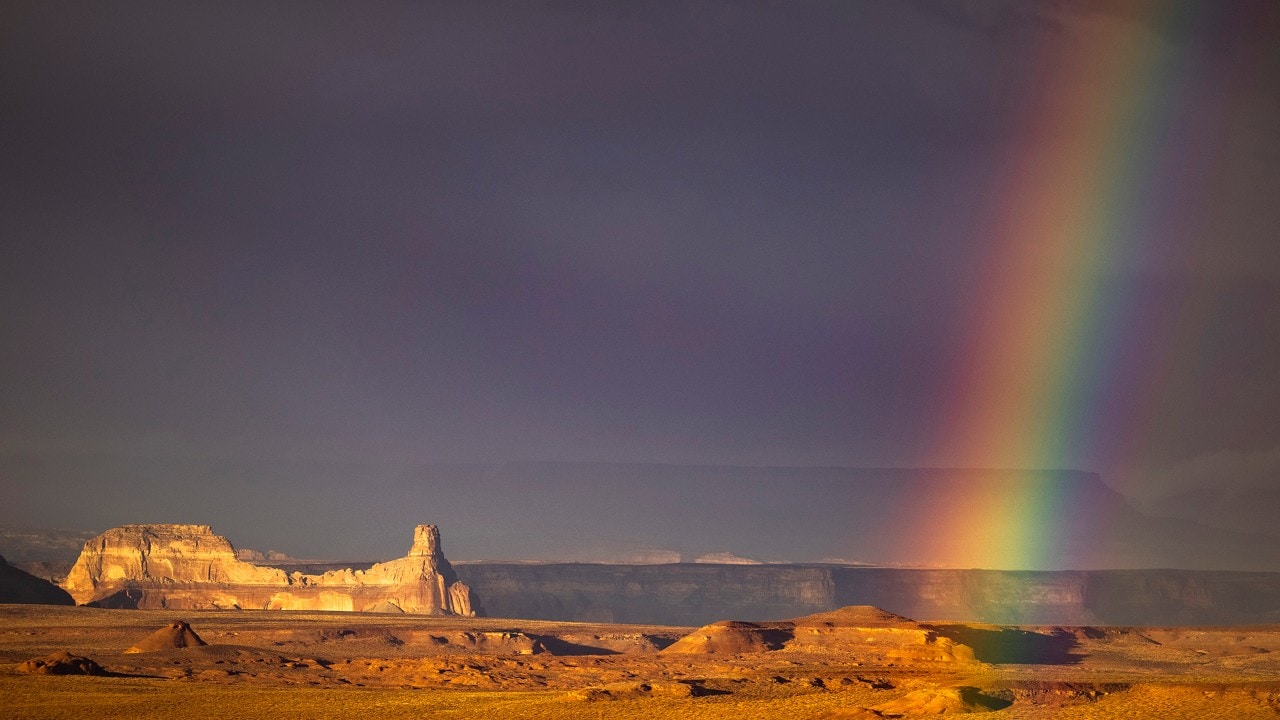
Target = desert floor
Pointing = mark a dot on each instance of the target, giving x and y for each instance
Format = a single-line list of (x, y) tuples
[(260, 664)]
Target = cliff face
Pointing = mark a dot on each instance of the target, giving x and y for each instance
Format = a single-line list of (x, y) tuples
[(690, 594), (1107, 597), (687, 594), (994, 596), (146, 554), (188, 566)]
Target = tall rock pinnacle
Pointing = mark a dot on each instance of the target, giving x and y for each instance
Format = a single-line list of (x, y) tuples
[(426, 541)]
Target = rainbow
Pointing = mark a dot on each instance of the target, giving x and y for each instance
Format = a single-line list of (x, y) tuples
[(1055, 336)]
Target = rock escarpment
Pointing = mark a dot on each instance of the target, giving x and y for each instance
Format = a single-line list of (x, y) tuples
[(161, 554), (190, 567), (685, 594), (698, 594)]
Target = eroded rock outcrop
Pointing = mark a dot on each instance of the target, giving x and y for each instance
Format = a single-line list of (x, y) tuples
[(867, 631), (158, 554), (61, 663), (190, 567)]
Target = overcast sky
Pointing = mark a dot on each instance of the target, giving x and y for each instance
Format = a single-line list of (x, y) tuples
[(388, 234)]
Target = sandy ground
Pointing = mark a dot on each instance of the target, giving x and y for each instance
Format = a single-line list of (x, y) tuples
[(260, 664)]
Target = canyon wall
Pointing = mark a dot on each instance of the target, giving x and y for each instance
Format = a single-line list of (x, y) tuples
[(682, 594), (190, 567), (697, 594)]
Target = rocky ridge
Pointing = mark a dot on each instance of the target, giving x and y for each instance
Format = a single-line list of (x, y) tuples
[(866, 631), (190, 567), (17, 586)]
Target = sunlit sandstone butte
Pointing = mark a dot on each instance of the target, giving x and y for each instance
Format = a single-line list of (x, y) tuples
[(189, 567)]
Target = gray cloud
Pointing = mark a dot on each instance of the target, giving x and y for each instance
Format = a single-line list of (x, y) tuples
[(705, 232)]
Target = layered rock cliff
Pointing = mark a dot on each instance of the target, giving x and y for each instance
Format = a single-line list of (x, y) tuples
[(188, 566), (158, 554), (676, 594), (697, 594)]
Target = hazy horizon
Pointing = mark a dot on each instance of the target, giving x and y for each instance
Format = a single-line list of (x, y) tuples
[(655, 513)]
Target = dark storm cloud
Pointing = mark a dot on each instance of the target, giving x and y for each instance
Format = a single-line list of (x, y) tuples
[(692, 232), (557, 188)]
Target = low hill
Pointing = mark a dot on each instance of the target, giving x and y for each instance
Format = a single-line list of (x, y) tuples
[(17, 586)]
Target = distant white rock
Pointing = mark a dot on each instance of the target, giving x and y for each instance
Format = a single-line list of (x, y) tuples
[(271, 556), (652, 557), (726, 558)]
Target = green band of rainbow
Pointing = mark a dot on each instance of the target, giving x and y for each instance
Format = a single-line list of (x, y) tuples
[(1054, 332)]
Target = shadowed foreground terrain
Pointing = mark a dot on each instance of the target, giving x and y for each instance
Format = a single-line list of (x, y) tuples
[(849, 663)]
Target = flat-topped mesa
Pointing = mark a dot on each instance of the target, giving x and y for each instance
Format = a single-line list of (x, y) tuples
[(188, 566), (162, 553)]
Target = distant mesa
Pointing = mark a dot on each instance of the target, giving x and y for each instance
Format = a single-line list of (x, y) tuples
[(864, 630), (189, 567), (28, 544), (177, 634), (258, 557), (725, 558)]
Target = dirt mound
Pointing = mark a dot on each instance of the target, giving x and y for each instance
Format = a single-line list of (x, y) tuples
[(856, 713), (1057, 692), (856, 616), (515, 643), (729, 637), (177, 635), (943, 701), (628, 690), (61, 663)]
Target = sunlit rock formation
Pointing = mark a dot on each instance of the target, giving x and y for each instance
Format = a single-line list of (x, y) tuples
[(866, 631), (145, 554), (188, 566)]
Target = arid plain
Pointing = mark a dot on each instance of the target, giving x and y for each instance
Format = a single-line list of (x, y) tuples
[(171, 624), (850, 663)]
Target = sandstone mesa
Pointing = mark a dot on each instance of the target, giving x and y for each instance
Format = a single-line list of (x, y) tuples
[(191, 567)]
